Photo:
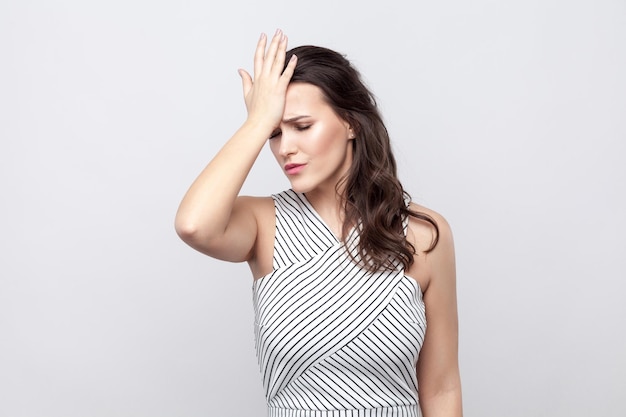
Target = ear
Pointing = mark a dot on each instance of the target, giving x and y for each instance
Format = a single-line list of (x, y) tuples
[(350, 132)]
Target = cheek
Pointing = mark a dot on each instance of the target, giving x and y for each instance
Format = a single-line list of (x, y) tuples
[(333, 143), (322, 142)]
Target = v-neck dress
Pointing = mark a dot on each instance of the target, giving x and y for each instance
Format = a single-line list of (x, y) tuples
[(333, 339)]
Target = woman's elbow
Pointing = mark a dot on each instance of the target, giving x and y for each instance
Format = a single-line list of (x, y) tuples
[(186, 229)]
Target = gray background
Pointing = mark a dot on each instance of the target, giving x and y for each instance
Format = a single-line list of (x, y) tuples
[(507, 117)]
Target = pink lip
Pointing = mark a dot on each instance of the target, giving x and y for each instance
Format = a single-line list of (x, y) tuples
[(292, 169)]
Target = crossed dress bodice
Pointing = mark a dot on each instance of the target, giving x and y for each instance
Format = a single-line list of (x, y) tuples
[(333, 339)]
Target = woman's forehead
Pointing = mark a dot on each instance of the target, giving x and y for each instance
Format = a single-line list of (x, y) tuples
[(304, 98)]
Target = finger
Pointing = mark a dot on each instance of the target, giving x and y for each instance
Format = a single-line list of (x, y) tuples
[(270, 56), (246, 81), (259, 54), (288, 72), (279, 61)]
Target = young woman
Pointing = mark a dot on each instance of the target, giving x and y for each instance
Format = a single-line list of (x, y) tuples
[(348, 271)]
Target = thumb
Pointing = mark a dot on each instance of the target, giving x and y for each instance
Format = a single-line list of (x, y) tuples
[(246, 80)]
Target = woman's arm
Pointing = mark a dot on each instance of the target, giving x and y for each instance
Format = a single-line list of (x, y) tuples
[(438, 368), (211, 217)]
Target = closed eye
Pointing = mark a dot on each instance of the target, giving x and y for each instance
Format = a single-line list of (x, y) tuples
[(275, 134), (299, 128)]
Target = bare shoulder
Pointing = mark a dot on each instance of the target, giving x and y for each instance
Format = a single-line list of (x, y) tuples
[(259, 206), (423, 234), (429, 260)]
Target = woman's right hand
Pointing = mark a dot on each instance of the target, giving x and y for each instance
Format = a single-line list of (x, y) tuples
[(265, 93)]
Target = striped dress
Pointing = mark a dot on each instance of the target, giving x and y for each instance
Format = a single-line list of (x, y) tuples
[(332, 339)]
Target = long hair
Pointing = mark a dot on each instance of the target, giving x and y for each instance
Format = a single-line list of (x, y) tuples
[(372, 194)]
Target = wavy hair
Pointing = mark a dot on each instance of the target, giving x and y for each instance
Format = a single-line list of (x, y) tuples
[(372, 194)]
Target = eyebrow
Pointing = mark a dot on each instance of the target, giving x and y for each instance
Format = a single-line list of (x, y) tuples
[(295, 119)]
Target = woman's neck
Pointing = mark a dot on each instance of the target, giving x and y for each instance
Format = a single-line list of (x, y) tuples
[(330, 206)]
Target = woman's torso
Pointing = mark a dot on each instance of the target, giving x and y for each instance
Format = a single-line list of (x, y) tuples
[(332, 337)]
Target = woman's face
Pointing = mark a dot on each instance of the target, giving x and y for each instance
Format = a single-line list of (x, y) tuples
[(312, 144)]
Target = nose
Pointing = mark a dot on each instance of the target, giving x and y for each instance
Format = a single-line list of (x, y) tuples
[(287, 144)]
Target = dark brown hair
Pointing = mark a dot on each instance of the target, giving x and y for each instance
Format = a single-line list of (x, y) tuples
[(373, 196)]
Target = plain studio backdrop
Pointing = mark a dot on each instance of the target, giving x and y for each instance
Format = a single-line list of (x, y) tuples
[(509, 118)]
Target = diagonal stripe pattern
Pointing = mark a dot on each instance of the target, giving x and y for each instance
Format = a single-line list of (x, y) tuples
[(331, 338)]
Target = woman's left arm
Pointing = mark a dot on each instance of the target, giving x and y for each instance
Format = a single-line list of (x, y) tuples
[(438, 374)]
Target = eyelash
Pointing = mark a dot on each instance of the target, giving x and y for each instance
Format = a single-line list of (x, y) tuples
[(298, 128), (273, 135)]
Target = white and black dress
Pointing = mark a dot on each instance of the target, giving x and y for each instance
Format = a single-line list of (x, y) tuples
[(332, 339)]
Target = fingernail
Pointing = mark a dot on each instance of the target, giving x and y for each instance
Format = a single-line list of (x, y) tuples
[(278, 32), (262, 36)]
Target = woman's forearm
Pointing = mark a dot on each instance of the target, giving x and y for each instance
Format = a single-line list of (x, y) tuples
[(207, 206)]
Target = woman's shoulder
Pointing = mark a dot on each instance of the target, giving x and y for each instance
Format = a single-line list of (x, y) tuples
[(434, 247), (425, 233), (260, 206)]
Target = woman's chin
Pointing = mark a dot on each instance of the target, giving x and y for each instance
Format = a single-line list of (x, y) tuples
[(300, 186), (300, 189)]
